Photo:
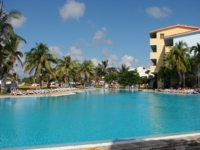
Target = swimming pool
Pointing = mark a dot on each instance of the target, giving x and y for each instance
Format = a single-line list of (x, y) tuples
[(94, 116)]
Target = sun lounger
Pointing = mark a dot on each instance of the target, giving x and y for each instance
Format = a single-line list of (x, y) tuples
[(16, 92), (30, 92)]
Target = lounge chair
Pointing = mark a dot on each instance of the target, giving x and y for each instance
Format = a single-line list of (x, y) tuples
[(16, 92), (30, 92)]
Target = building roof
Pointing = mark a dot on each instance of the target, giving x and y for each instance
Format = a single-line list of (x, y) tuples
[(176, 25), (179, 34)]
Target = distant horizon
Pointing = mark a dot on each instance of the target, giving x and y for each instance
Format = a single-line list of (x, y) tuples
[(98, 30)]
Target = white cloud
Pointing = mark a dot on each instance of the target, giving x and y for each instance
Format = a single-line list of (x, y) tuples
[(103, 28), (82, 42), (72, 9), (114, 61), (100, 37), (95, 61), (127, 60), (17, 23), (76, 54), (56, 50), (159, 13), (91, 23)]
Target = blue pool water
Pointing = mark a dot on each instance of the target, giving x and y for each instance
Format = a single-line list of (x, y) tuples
[(95, 115)]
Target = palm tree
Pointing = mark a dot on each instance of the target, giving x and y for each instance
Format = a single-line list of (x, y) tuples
[(11, 45), (10, 48), (196, 50), (39, 59), (179, 58), (102, 69), (123, 69), (6, 32), (6, 29), (66, 66), (47, 77), (87, 69)]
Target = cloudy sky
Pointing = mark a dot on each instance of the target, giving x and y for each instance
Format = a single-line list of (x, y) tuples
[(97, 30)]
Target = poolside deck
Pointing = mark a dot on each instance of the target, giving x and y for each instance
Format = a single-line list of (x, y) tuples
[(179, 142)]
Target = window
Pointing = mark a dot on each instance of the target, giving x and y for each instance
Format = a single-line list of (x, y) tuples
[(162, 36)]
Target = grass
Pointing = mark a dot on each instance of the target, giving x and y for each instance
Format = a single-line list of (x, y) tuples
[(4, 93)]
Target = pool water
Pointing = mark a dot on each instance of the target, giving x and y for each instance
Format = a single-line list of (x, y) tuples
[(94, 116)]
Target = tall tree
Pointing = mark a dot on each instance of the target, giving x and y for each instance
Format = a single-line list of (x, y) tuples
[(6, 32), (6, 29), (87, 69), (167, 76), (196, 50), (39, 59), (123, 69), (102, 69), (66, 66), (129, 78), (10, 49), (178, 57), (11, 45)]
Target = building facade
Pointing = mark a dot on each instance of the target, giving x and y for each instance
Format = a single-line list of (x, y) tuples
[(162, 40), (144, 72)]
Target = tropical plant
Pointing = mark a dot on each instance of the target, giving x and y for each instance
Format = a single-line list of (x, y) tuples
[(38, 60), (6, 29), (123, 69), (167, 76), (111, 77), (11, 46), (87, 69), (6, 33), (102, 69), (179, 58), (66, 66), (196, 50), (129, 78)]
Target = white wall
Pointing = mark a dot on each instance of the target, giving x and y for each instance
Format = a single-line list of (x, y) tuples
[(191, 39), (141, 71)]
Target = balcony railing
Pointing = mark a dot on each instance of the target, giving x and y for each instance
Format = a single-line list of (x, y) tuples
[(153, 69), (154, 55), (154, 41)]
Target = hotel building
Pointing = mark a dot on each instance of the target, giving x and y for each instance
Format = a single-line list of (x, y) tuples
[(162, 40)]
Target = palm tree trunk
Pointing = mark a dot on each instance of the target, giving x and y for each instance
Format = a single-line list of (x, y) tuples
[(3, 83), (183, 79), (180, 75), (198, 77)]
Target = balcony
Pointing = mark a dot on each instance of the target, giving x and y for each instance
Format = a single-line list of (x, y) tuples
[(153, 69), (154, 41), (154, 55), (168, 49)]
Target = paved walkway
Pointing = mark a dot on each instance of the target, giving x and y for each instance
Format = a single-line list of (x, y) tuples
[(179, 142)]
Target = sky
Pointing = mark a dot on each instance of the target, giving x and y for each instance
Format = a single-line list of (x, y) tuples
[(97, 30)]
